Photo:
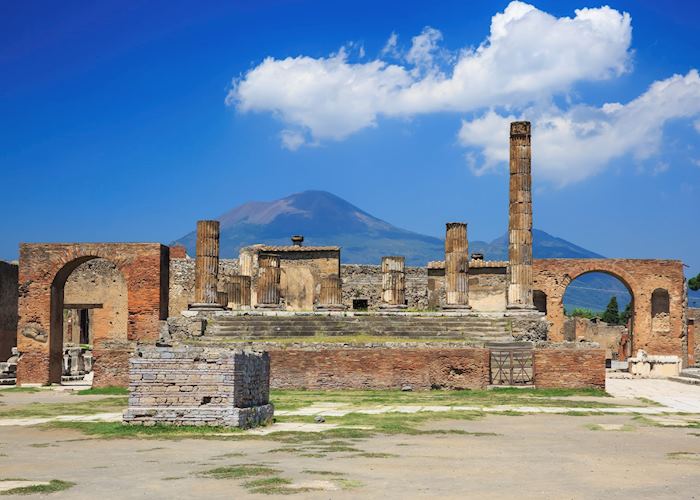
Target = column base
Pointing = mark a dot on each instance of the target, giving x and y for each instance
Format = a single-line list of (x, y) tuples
[(456, 307), (270, 307), (520, 307), (330, 307), (393, 307), (202, 306)]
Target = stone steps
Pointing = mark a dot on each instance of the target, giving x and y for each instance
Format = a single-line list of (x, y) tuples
[(467, 328), (691, 373), (685, 380)]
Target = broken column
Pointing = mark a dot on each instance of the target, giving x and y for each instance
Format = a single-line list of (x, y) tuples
[(393, 283), (206, 266), (238, 289), (268, 286), (331, 297), (520, 219), (456, 266)]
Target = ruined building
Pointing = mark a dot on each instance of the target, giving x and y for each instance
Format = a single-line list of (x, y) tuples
[(448, 324)]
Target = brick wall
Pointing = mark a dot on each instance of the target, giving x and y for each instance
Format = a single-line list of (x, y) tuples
[(570, 368), (379, 368)]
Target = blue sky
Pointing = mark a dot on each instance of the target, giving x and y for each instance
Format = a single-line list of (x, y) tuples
[(128, 121)]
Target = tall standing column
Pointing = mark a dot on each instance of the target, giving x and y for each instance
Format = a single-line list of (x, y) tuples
[(331, 296), (238, 289), (206, 265), (268, 286), (393, 283), (520, 219), (456, 266)]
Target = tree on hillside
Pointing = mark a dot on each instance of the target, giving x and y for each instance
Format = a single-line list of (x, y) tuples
[(694, 283), (626, 314), (612, 314)]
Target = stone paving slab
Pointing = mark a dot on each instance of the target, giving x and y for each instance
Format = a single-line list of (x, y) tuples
[(678, 397)]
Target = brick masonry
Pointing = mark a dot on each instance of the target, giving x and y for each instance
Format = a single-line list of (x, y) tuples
[(199, 386), (391, 367), (43, 271), (641, 277)]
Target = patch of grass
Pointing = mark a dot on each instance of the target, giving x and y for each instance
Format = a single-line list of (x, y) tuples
[(149, 449), (39, 410), (264, 485), (20, 389), (460, 432), (683, 455), (228, 455), (367, 454), (239, 471), (348, 484), (53, 486), (110, 390), (118, 430), (322, 472), (172, 478), (648, 401), (599, 427), (41, 445)]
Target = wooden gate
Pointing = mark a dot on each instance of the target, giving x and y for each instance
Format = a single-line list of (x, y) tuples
[(512, 363)]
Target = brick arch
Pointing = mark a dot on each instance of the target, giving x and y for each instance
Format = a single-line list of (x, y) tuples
[(43, 271), (640, 276)]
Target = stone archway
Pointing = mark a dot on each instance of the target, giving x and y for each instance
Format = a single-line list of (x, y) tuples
[(43, 271), (640, 276)]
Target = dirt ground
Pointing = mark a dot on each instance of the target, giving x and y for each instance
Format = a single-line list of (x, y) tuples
[(528, 456)]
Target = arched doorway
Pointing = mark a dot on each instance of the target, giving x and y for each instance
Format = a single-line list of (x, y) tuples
[(89, 305), (599, 307)]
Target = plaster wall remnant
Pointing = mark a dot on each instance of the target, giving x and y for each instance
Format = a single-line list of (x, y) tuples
[(456, 266), (393, 282), (238, 289), (43, 271), (268, 287), (9, 296), (206, 265), (520, 219)]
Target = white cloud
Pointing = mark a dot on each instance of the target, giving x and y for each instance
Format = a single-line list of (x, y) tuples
[(292, 139), (569, 146), (390, 48), (696, 124), (528, 57)]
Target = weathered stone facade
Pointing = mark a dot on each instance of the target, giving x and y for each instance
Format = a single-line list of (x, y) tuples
[(43, 272), (199, 386), (642, 277), (9, 295)]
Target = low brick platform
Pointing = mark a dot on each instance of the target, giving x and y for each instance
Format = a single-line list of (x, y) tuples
[(199, 386)]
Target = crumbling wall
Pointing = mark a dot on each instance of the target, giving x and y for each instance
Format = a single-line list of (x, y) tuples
[(641, 276), (8, 308), (362, 281), (181, 288), (607, 336)]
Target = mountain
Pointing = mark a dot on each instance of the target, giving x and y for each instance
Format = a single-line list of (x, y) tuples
[(326, 219)]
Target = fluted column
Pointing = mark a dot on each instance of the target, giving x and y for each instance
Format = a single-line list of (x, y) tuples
[(331, 296), (206, 265), (222, 298), (456, 266), (238, 289), (393, 283), (520, 219), (268, 286)]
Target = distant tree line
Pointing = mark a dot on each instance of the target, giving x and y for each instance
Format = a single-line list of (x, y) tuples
[(694, 283), (611, 315)]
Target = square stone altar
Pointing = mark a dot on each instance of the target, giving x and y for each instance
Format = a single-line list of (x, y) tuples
[(199, 386)]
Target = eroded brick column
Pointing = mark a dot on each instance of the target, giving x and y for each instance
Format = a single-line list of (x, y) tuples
[(268, 286), (330, 298), (520, 219), (456, 266), (393, 282), (238, 289), (206, 265)]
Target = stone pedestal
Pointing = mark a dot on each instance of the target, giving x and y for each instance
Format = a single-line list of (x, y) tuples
[(520, 219), (393, 283), (238, 289), (456, 266), (206, 266), (268, 286), (331, 297), (199, 386)]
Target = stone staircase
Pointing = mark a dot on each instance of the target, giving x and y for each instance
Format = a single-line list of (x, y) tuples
[(688, 376), (474, 329)]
